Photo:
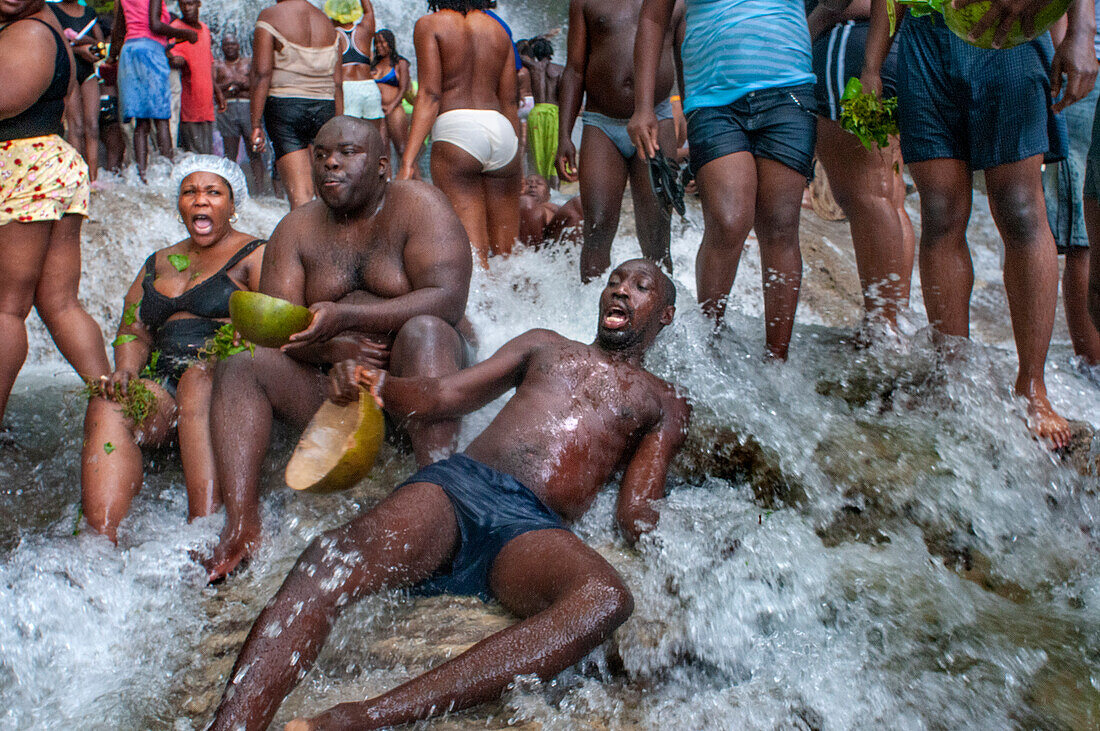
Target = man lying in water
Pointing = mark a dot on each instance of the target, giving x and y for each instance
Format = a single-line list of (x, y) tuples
[(489, 522), (385, 268)]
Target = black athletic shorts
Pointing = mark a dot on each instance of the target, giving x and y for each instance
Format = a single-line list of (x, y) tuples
[(838, 56), (292, 122)]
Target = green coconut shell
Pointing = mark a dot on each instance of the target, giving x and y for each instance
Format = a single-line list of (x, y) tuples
[(265, 320), (961, 20), (338, 447)]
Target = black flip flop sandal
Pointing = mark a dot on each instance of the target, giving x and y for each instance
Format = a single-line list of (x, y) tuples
[(664, 176)]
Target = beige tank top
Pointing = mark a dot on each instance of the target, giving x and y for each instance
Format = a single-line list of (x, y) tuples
[(302, 71)]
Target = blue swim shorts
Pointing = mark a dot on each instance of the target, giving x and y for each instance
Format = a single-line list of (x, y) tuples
[(491, 508), (984, 107)]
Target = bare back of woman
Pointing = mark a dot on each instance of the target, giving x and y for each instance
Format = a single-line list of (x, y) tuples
[(468, 101)]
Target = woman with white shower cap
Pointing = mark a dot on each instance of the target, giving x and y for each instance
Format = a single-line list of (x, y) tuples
[(178, 302)]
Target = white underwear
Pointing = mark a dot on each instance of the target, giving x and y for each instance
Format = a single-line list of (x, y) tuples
[(485, 134)]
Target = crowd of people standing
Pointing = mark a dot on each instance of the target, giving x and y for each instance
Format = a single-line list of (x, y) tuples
[(749, 92)]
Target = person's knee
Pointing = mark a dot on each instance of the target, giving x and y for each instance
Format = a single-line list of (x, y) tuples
[(426, 338), (1021, 216), (236, 370), (730, 219), (942, 217), (609, 598), (777, 225)]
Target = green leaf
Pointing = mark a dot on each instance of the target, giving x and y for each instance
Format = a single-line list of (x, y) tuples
[(852, 89), (108, 447), (223, 344), (129, 315), (123, 339), (179, 261), (150, 369)]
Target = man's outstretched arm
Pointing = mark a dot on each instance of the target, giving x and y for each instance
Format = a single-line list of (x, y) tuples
[(644, 479), (447, 396)]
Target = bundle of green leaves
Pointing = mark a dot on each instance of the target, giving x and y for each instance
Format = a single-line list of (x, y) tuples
[(868, 117), (137, 403), (226, 342)]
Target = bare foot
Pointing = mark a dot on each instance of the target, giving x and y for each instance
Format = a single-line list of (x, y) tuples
[(299, 724), (1043, 421), (229, 553)]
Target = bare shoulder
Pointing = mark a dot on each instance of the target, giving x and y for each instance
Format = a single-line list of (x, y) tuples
[(299, 226), (541, 337), (675, 408), (401, 193), (36, 36)]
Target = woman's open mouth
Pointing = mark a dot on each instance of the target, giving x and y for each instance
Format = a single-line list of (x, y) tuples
[(202, 223)]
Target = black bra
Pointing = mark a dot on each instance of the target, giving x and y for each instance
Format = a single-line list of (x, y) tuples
[(208, 299)]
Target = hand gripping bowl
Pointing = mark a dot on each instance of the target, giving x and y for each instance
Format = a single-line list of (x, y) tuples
[(265, 320), (338, 447), (961, 20)]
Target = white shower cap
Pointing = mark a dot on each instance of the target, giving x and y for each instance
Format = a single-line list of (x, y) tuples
[(227, 169)]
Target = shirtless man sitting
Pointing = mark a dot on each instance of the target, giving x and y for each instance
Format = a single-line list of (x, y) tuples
[(579, 414), (385, 268)]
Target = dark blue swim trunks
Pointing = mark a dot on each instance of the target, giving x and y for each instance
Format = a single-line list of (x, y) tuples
[(984, 107), (491, 508)]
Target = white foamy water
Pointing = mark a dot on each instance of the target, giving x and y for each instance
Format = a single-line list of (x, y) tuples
[(914, 560)]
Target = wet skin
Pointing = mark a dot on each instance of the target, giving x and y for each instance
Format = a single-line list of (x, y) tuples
[(535, 210), (599, 68), (111, 479), (579, 413), (385, 269), (467, 62), (231, 73)]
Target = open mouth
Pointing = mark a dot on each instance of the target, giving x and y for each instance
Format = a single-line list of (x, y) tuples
[(202, 224), (331, 183), (615, 317)]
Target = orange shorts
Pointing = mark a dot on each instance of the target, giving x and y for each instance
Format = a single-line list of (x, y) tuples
[(41, 179)]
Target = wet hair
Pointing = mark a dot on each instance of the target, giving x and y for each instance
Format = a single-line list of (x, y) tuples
[(462, 6), (522, 44), (388, 37), (540, 48)]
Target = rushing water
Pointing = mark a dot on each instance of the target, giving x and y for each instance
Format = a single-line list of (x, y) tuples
[(900, 553)]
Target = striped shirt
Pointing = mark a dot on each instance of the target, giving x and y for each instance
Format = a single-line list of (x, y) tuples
[(732, 47)]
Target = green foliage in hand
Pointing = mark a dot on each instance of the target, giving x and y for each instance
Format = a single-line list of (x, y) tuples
[(226, 342), (866, 116)]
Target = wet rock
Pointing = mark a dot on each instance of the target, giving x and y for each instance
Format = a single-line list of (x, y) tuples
[(436, 629), (1083, 452), (1063, 700), (720, 451)]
